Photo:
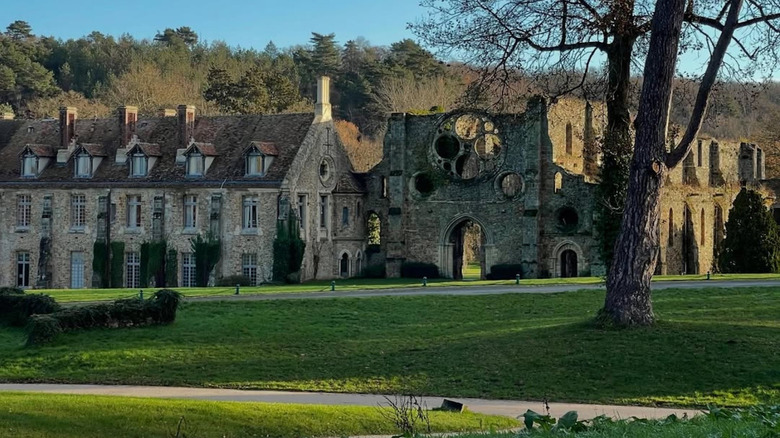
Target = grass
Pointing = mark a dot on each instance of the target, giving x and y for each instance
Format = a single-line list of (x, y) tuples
[(711, 346), (79, 295), (472, 271), (47, 415)]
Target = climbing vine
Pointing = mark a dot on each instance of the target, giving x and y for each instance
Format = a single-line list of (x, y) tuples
[(288, 250), (207, 253)]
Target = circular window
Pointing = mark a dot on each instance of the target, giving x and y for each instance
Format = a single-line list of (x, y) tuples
[(423, 183), (568, 217), (511, 184), (326, 170), (467, 147), (447, 146)]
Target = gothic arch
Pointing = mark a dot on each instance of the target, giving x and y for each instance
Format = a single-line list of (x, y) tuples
[(567, 245), (447, 249)]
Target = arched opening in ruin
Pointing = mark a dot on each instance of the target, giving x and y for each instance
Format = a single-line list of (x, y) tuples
[(568, 263), (374, 228), (468, 255), (344, 265), (690, 244)]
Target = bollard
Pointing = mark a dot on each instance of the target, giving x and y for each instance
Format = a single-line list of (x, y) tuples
[(708, 275), (238, 289), (425, 281), (517, 278), (141, 294), (332, 285)]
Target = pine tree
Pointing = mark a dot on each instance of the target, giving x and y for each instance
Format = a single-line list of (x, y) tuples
[(752, 241)]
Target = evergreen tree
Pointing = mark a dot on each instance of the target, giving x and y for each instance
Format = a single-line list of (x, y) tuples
[(752, 242), (325, 56)]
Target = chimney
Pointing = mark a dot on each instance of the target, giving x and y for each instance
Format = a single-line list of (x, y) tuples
[(166, 112), (186, 117), (322, 107), (68, 115), (128, 116)]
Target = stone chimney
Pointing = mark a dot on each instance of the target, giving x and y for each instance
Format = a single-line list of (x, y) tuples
[(68, 116), (186, 118), (128, 116), (322, 111)]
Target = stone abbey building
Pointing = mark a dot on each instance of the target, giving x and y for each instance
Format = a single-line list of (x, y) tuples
[(71, 186)]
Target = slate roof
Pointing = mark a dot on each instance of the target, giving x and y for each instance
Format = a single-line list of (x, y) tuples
[(228, 135), (40, 150), (266, 148)]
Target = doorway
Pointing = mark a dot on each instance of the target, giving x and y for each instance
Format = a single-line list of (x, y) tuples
[(568, 263), (468, 251)]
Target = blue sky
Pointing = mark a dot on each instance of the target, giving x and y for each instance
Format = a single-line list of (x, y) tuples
[(242, 23)]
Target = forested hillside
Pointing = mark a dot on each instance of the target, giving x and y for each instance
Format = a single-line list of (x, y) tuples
[(97, 73)]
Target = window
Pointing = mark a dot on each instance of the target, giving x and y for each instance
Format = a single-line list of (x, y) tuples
[(323, 211), (78, 211), (195, 164), (701, 225), (133, 270), (134, 211), (344, 266), (23, 211), (302, 210), (188, 269), (249, 221), (569, 138), (29, 164), (249, 267), (384, 187), (190, 211), (671, 228), (255, 163), (138, 164), (558, 182), (345, 216), (76, 270), (83, 165), (22, 269), (699, 155)]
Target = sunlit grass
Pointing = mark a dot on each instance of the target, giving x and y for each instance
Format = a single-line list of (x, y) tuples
[(514, 346), (77, 416), (353, 284)]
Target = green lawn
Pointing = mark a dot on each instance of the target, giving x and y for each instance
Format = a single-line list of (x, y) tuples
[(47, 415), (76, 295), (718, 345)]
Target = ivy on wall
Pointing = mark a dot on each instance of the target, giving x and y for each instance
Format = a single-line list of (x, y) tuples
[(171, 268), (153, 263), (207, 253), (117, 264), (288, 251)]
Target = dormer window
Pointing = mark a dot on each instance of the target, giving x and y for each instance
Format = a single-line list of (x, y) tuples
[(195, 164), (83, 163), (29, 164), (139, 164), (255, 163)]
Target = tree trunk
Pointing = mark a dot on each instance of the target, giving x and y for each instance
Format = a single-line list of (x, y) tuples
[(628, 283)]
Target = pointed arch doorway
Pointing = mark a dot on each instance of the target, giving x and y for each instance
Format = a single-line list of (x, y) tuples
[(465, 249)]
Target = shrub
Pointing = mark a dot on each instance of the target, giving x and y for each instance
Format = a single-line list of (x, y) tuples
[(16, 307), (160, 308), (419, 270), (752, 241), (374, 271), (42, 329), (232, 280), (505, 271)]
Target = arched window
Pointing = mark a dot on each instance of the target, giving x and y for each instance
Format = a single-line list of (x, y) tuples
[(702, 227), (359, 263), (717, 231), (569, 138), (699, 156), (345, 216), (384, 187), (671, 228), (344, 266), (374, 229), (558, 182)]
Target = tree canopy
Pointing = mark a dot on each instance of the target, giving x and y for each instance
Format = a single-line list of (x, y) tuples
[(752, 242)]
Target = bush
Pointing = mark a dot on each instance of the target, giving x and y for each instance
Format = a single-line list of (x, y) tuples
[(419, 270), (160, 308), (752, 242), (16, 307), (232, 280), (505, 271), (42, 329), (374, 271)]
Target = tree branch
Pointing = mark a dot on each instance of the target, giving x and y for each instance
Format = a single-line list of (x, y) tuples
[(710, 75)]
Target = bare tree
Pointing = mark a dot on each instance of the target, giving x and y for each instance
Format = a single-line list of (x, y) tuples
[(531, 38), (628, 300)]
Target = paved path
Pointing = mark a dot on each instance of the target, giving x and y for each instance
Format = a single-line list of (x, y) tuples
[(508, 408), (483, 290)]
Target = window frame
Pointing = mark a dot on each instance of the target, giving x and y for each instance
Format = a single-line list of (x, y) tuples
[(23, 211), (133, 216), (190, 213), (252, 157), (188, 275), (134, 168), (249, 213), (23, 267), (30, 157), (193, 157), (249, 267), (83, 157), (133, 269), (324, 212), (78, 211)]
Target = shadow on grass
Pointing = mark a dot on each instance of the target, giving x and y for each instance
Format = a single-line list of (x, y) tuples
[(508, 346)]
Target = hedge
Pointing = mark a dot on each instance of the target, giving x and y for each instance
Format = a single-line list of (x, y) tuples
[(160, 308), (506, 271), (16, 307), (419, 270)]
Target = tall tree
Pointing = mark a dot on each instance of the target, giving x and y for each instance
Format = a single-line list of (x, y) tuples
[(325, 56), (19, 30), (628, 301), (752, 241)]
